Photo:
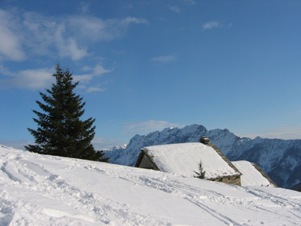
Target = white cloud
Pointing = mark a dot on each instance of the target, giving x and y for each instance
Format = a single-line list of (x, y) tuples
[(67, 37), (51, 36), (134, 20), (148, 126), (74, 51), (90, 73), (66, 45), (10, 43), (26, 34), (69, 48), (89, 28), (211, 25), (164, 59), (96, 70), (35, 79), (88, 76), (30, 79)]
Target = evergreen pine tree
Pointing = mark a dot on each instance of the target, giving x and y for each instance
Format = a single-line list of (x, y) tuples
[(201, 173), (60, 128)]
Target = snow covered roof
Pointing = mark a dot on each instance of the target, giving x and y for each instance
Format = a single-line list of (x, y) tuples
[(252, 175), (184, 159)]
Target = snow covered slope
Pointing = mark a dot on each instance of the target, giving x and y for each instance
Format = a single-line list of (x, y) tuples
[(280, 159), (49, 190)]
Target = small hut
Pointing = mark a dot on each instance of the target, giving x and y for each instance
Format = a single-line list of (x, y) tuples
[(185, 159)]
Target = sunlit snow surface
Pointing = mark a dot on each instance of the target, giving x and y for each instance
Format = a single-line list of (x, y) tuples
[(250, 175), (49, 190)]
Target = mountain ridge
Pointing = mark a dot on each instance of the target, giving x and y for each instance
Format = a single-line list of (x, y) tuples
[(280, 159)]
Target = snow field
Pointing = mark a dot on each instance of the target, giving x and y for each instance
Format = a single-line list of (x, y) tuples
[(48, 190)]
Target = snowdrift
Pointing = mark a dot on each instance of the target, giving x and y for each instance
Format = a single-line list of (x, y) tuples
[(49, 190)]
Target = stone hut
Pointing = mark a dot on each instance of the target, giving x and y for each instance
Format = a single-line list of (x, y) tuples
[(185, 158)]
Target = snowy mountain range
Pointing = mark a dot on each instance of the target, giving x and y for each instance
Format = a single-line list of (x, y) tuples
[(49, 190), (280, 159)]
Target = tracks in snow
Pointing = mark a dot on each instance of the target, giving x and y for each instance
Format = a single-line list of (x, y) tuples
[(44, 177), (49, 186)]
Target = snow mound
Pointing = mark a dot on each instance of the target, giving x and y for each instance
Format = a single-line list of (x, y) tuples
[(250, 175), (48, 190)]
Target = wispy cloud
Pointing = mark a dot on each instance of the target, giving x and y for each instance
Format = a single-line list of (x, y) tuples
[(282, 132), (164, 59), (148, 126), (10, 43), (192, 2), (134, 20), (35, 79), (175, 9), (26, 34), (211, 25), (29, 79), (84, 7), (101, 143), (97, 89), (96, 30), (181, 5), (89, 74)]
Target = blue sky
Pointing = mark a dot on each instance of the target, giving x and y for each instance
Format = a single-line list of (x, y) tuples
[(146, 65)]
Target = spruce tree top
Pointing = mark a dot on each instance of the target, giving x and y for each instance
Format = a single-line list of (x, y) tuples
[(61, 131)]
